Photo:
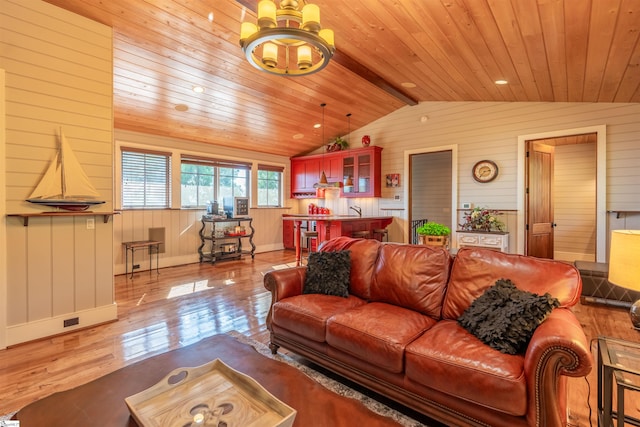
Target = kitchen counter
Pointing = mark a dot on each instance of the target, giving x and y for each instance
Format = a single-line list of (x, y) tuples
[(331, 226)]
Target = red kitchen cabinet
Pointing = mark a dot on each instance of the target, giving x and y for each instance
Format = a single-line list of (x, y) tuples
[(363, 167)]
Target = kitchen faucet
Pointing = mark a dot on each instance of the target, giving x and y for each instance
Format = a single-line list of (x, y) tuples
[(358, 210)]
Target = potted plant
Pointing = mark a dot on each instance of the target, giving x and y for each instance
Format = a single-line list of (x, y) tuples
[(482, 219), (433, 234), (338, 144)]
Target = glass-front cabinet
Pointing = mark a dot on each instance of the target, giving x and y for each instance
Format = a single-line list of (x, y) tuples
[(357, 170), (361, 172)]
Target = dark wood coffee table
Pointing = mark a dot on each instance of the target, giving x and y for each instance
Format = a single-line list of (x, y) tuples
[(101, 402)]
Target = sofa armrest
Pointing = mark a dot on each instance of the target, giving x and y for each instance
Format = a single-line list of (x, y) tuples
[(285, 283), (558, 347)]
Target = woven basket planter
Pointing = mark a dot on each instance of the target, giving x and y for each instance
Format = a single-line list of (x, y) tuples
[(433, 240)]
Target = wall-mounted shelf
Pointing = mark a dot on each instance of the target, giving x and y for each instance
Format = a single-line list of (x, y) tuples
[(26, 216), (618, 212)]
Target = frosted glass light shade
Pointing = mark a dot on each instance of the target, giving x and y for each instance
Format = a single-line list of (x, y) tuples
[(624, 259), (267, 14), (311, 18), (246, 30), (270, 54), (624, 266), (327, 35), (304, 57)]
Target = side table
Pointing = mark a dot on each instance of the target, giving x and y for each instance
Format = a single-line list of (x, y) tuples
[(617, 359), (141, 244)]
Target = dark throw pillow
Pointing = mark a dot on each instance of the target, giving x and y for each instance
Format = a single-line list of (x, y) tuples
[(328, 273), (505, 317)]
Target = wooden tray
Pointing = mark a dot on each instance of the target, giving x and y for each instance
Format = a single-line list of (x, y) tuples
[(209, 395)]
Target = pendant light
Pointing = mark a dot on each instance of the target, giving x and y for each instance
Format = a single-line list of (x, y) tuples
[(323, 177), (349, 129)]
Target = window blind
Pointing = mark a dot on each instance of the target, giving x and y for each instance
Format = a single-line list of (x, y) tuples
[(146, 179), (221, 163), (270, 168)]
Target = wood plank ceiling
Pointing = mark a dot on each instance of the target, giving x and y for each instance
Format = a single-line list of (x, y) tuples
[(390, 54)]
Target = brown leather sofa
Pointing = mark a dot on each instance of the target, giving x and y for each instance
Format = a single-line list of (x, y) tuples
[(397, 332)]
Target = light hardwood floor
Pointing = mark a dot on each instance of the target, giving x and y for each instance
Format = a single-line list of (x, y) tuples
[(184, 304)]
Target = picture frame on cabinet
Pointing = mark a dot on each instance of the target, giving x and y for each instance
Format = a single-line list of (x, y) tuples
[(240, 207), (393, 180)]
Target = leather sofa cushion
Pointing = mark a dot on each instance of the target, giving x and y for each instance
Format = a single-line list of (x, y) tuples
[(364, 254), (449, 359), (307, 315), (377, 333), (412, 276), (476, 269)]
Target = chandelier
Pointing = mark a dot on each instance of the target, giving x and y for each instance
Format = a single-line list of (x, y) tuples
[(287, 40)]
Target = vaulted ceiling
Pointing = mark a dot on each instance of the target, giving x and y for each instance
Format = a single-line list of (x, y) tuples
[(390, 54)]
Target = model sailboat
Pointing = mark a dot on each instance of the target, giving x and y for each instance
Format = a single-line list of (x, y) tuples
[(65, 185)]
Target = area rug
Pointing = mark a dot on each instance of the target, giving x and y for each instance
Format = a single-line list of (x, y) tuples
[(331, 401), (331, 384)]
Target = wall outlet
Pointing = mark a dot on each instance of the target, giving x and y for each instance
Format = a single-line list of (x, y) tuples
[(396, 197), (91, 223)]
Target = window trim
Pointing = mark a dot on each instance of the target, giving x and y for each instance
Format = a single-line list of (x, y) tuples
[(168, 176), (270, 168), (218, 163)]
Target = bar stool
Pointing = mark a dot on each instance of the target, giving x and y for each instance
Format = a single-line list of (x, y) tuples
[(309, 235), (360, 234), (381, 234)]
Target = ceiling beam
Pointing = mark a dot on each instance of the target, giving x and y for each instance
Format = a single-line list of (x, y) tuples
[(355, 67), (373, 78)]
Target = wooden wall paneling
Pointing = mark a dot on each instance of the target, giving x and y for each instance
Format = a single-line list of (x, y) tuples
[(59, 68), (575, 202), (17, 273), (490, 130), (104, 255), (85, 264), (63, 266), (3, 212), (187, 227), (39, 279), (175, 232)]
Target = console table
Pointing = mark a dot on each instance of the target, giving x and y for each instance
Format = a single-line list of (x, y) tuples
[(620, 360), (223, 239), (497, 240), (141, 244)]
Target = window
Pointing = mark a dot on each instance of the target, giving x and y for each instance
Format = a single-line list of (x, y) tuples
[(146, 179), (270, 185), (203, 180), (197, 184)]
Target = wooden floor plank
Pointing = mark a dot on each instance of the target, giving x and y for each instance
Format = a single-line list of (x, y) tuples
[(184, 304)]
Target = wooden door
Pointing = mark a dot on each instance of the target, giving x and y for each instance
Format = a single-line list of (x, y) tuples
[(539, 200)]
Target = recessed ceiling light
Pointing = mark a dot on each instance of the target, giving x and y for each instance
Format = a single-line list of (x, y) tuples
[(408, 84), (298, 136), (317, 126), (501, 82), (181, 107), (210, 17), (198, 89)]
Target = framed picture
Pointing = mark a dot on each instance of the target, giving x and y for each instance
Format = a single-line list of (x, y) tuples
[(240, 207), (393, 180)]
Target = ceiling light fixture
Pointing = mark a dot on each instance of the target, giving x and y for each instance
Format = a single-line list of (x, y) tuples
[(289, 40), (501, 82)]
